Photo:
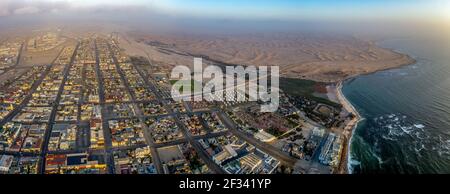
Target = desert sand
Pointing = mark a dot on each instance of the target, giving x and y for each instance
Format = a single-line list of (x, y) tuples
[(314, 57)]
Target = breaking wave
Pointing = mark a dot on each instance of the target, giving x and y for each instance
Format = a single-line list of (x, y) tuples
[(412, 135)]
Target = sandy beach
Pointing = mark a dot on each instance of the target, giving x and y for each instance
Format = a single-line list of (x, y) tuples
[(348, 130)]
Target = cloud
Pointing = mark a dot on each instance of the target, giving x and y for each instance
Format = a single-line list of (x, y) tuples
[(27, 10), (20, 7), (23, 7)]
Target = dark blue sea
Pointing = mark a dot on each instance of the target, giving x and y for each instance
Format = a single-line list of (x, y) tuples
[(406, 111)]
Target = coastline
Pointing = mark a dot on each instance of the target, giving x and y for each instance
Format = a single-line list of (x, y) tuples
[(343, 167), (401, 61), (348, 129)]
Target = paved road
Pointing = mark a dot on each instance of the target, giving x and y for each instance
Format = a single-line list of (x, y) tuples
[(106, 131), (51, 122), (17, 77), (18, 154), (147, 134), (107, 152), (286, 159), (27, 99), (19, 57), (201, 152), (184, 140)]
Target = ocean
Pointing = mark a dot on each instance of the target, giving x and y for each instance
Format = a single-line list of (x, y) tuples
[(406, 111)]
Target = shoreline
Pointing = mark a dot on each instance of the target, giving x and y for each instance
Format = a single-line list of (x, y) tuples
[(402, 61), (351, 126), (348, 129)]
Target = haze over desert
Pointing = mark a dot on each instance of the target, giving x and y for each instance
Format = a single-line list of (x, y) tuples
[(324, 58)]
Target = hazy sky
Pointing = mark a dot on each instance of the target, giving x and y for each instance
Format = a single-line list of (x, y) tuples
[(252, 9), (236, 16), (311, 9)]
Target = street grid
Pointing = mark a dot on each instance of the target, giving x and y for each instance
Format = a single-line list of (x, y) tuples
[(150, 86)]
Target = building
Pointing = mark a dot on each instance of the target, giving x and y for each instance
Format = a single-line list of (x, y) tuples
[(81, 163), (5, 163), (250, 162), (227, 153), (331, 151)]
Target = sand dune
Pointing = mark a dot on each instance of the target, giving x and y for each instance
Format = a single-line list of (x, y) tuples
[(320, 58)]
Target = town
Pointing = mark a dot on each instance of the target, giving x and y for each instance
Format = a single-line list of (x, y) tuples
[(97, 110)]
